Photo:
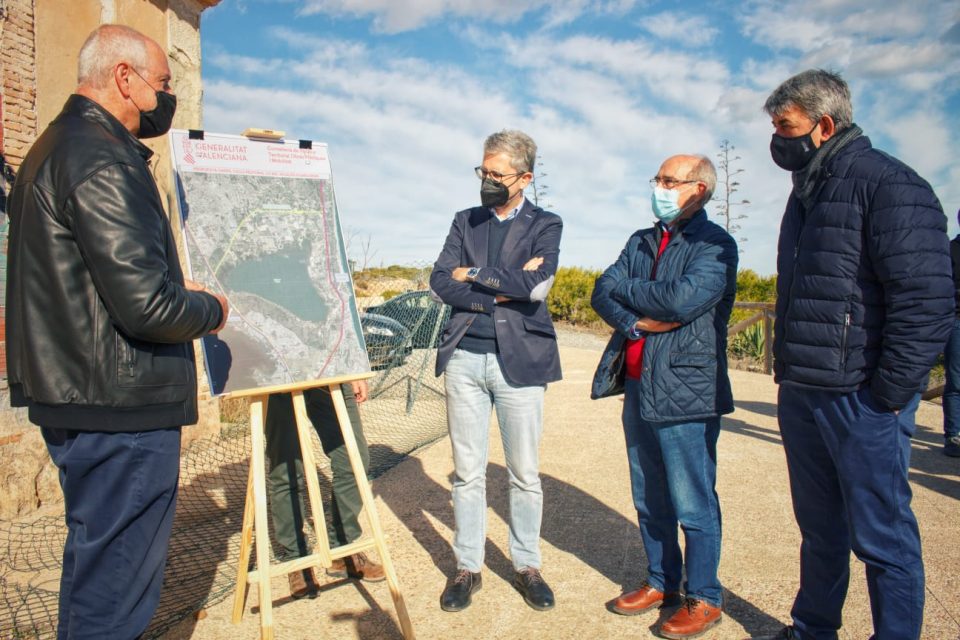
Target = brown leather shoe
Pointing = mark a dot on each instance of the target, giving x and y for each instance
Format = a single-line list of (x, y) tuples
[(690, 620), (643, 599), (302, 584), (358, 566)]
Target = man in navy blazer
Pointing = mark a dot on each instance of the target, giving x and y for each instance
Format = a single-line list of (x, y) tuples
[(498, 349)]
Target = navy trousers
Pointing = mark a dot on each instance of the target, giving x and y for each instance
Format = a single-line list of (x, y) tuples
[(120, 493), (848, 461)]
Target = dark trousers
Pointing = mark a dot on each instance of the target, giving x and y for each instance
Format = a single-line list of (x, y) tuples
[(120, 492), (848, 461), (285, 480), (951, 388)]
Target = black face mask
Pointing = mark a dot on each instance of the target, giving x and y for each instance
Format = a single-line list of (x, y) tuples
[(793, 154), (493, 193), (157, 121)]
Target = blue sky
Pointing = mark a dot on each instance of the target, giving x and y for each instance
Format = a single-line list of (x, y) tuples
[(405, 91)]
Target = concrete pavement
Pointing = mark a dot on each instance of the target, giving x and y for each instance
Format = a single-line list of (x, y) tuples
[(591, 546)]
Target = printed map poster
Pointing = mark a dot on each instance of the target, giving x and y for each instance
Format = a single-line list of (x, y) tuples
[(261, 227)]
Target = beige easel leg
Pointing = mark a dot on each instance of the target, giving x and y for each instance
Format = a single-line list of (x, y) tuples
[(257, 463), (372, 518), (243, 563), (310, 474), (255, 522)]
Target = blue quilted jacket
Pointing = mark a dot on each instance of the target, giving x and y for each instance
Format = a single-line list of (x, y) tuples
[(864, 288), (684, 370)]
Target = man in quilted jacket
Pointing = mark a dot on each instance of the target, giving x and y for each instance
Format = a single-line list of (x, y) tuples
[(669, 298), (864, 306)]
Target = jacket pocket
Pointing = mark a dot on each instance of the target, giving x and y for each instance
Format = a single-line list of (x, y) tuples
[(535, 325), (697, 360), (151, 364)]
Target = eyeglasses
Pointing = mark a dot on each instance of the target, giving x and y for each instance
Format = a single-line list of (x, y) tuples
[(483, 174), (669, 183)]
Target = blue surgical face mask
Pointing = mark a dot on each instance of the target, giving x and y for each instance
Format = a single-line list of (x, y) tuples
[(665, 204)]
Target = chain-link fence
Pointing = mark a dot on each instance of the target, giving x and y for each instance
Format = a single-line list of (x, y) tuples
[(406, 411)]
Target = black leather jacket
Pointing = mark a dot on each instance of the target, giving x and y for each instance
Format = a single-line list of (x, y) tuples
[(99, 323)]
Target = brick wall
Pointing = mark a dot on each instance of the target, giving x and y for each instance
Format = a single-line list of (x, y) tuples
[(18, 115), (18, 59)]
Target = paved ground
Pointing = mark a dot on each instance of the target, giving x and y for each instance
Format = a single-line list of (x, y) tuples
[(591, 543)]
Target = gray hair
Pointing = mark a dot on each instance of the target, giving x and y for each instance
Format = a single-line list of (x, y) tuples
[(107, 46), (704, 171), (817, 93), (519, 146)]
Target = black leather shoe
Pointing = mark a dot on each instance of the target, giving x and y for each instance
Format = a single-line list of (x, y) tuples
[(534, 590), (456, 595), (787, 633)]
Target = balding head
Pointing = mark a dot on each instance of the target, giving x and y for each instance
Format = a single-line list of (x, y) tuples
[(694, 168), (107, 46), (123, 71)]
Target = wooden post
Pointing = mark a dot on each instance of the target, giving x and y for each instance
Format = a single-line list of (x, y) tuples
[(767, 341), (256, 521)]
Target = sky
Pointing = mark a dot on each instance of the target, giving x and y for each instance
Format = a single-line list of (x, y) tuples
[(405, 91)]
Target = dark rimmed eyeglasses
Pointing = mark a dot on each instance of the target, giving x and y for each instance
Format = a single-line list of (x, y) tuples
[(483, 174), (669, 183)]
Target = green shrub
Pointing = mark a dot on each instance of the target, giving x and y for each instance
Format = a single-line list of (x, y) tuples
[(748, 344), (569, 299), (390, 293), (755, 288)]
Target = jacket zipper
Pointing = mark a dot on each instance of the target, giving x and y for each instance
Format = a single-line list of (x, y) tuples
[(843, 341), (127, 356), (793, 281)]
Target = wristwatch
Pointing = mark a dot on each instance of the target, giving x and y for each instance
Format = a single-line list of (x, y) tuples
[(472, 273)]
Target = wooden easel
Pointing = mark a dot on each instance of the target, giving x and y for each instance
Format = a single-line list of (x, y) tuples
[(255, 519)]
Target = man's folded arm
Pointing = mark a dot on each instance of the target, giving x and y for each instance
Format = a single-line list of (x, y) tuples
[(459, 295), (517, 283)]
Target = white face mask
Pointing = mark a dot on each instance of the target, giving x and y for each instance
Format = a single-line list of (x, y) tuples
[(665, 204)]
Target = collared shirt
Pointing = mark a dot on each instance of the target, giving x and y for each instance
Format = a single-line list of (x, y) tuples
[(513, 214), (633, 361)]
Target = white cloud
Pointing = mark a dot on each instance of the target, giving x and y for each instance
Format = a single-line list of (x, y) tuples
[(393, 16), (248, 65), (694, 30), (883, 40), (406, 131), (403, 142)]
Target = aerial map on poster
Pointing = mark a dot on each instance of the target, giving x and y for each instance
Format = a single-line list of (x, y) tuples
[(261, 226)]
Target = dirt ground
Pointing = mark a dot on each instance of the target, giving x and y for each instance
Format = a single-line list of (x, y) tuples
[(591, 544)]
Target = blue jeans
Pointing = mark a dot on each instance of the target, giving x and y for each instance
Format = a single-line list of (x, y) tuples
[(673, 475), (119, 492), (475, 385), (951, 389), (848, 461)]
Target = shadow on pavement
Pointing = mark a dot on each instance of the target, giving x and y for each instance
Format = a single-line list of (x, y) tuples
[(763, 408), (928, 466), (742, 428), (573, 521)]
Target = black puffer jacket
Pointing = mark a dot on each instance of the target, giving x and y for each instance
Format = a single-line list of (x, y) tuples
[(99, 323), (864, 288)]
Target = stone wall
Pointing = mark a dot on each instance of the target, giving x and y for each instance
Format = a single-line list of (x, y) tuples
[(34, 89)]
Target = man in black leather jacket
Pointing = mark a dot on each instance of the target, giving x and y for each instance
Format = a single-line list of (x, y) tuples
[(99, 324)]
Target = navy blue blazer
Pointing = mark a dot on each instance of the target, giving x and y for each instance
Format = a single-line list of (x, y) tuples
[(525, 334)]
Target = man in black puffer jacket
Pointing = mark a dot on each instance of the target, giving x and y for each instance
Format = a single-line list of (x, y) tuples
[(864, 306), (99, 324)]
